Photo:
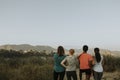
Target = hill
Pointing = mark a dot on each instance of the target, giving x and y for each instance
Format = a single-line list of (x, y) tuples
[(49, 49), (27, 47), (102, 51), (117, 53)]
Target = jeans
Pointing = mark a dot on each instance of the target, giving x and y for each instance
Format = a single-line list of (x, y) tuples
[(58, 75), (71, 74), (97, 75)]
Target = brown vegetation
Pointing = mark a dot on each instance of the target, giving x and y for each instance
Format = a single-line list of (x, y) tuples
[(16, 65)]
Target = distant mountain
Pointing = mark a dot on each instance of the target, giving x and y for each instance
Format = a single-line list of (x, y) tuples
[(27, 47), (102, 51), (48, 49), (117, 53)]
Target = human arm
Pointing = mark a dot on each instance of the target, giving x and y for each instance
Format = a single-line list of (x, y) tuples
[(91, 61), (103, 62), (63, 63)]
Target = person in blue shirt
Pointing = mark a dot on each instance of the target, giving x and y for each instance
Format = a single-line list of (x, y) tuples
[(59, 70)]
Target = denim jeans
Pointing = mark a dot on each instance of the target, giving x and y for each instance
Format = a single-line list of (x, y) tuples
[(97, 75)]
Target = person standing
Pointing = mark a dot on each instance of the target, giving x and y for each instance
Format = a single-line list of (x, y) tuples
[(98, 68), (59, 70), (71, 62), (85, 61)]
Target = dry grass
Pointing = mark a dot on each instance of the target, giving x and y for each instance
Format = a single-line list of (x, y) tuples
[(17, 66)]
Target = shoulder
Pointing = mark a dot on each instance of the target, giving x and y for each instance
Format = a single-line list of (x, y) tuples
[(80, 54), (90, 57), (88, 54), (73, 56), (63, 56), (55, 54)]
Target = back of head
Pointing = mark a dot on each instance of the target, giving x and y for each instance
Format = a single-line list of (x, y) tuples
[(85, 48), (97, 54), (71, 51), (60, 51), (96, 50)]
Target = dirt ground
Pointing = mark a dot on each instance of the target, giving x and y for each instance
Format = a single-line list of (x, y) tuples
[(108, 76), (111, 76)]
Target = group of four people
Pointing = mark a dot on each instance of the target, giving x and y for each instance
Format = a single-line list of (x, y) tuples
[(68, 64)]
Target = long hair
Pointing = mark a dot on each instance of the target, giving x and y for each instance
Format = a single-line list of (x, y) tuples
[(60, 51), (97, 55)]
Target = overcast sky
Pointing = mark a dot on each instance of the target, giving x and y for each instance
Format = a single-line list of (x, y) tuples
[(71, 23)]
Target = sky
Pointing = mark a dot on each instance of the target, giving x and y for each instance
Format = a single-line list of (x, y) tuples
[(70, 23)]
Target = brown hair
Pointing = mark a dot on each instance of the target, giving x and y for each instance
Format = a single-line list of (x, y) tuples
[(71, 51), (60, 50)]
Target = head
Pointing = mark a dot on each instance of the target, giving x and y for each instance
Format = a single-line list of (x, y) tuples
[(97, 54), (60, 50), (85, 48), (96, 50), (71, 51)]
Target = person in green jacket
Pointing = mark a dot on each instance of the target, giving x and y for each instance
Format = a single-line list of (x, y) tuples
[(59, 70)]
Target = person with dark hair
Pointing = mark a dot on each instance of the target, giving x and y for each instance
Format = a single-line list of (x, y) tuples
[(85, 61), (97, 68), (71, 67), (59, 70)]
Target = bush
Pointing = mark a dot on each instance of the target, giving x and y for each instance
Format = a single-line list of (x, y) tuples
[(111, 63), (25, 67), (29, 66)]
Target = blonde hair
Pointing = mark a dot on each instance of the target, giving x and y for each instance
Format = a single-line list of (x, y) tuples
[(71, 51)]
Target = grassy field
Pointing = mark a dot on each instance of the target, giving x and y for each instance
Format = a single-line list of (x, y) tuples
[(16, 65)]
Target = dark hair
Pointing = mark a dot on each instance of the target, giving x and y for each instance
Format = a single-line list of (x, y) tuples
[(60, 51), (85, 48), (97, 55)]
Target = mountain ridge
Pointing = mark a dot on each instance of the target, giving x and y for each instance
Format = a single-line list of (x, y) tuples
[(27, 47), (49, 49)]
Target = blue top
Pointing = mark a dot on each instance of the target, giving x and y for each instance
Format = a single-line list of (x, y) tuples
[(57, 63)]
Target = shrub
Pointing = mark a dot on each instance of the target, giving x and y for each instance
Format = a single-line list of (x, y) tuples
[(111, 63)]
